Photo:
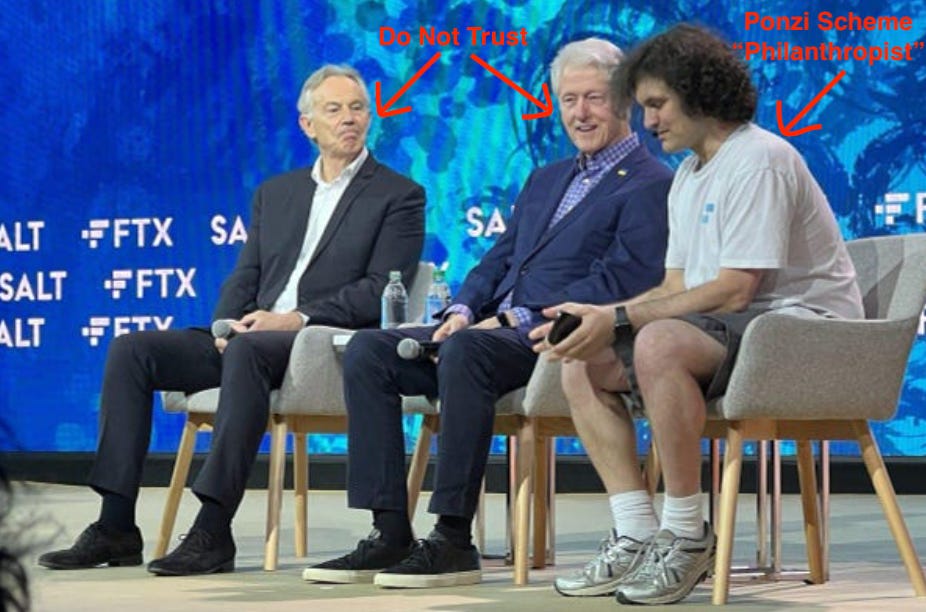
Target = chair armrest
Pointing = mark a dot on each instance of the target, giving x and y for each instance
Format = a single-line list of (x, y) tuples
[(544, 395), (313, 380), (802, 367)]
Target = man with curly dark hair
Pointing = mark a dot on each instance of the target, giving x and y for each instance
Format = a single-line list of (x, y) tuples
[(750, 233)]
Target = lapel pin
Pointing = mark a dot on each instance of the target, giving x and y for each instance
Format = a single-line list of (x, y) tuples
[(621, 172)]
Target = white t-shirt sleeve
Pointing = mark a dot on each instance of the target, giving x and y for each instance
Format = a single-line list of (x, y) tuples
[(756, 219)]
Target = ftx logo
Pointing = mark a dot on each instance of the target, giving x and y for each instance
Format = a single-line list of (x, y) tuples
[(901, 204), (98, 327), (166, 282), (142, 232)]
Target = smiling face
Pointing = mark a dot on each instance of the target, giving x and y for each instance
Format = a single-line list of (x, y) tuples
[(587, 111), (664, 116), (340, 119)]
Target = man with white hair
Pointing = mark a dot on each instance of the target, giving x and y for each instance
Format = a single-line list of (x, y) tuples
[(593, 225), (321, 244)]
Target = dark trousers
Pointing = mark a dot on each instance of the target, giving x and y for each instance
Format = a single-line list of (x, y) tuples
[(186, 360), (475, 368)]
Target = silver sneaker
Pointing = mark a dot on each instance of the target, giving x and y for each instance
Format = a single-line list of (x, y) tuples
[(670, 568), (616, 556)]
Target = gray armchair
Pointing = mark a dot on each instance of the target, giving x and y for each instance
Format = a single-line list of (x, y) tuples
[(796, 378), (810, 379), (310, 400)]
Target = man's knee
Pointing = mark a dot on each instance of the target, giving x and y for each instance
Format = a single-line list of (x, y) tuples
[(575, 380), (367, 348), (460, 350), (128, 347), (242, 347), (655, 348)]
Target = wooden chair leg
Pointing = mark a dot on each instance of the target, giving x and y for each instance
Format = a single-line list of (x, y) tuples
[(524, 460), (808, 483), (275, 491), (419, 464), (177, 484), (729, 491), (300, 491), (652, 470), (540, 479), (480, 519), (551, 503), (885, 490)]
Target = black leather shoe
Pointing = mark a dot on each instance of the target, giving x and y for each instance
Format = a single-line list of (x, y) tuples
[(199, 553), (98, 544)]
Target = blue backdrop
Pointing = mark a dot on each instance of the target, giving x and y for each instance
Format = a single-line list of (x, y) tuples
[(136, 132)]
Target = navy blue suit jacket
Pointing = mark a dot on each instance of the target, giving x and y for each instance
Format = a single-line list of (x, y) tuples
[(610, 247)]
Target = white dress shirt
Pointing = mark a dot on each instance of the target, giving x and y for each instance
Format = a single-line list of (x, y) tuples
[(326, 198)]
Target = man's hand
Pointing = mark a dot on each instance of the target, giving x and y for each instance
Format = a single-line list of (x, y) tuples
[(595, 334), (261, 320), (453, 324), (221, 343)]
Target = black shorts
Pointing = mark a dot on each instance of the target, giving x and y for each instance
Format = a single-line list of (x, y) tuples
[(726, 328)]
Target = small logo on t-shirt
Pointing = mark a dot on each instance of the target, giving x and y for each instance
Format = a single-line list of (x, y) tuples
[(707, 212)]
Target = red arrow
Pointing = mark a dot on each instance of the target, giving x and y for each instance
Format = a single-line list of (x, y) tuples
[(383, 109), (786, 129), (546, 109)]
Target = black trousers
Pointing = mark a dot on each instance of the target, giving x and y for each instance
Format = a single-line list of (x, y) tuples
[(186, 360), (475, 368)]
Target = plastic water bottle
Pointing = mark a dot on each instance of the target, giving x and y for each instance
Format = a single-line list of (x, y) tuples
[(438, 296), (395, 302)]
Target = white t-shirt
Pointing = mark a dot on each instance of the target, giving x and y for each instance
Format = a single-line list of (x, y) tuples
[(755, 205)]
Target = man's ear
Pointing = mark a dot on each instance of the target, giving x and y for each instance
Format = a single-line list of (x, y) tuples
[(307, 127)]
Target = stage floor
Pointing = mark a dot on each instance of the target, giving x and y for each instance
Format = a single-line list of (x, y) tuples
[(865, 573)]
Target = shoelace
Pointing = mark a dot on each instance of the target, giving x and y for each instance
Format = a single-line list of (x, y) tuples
[(605, 552), (423, 549), (362, 546), (655, 559), (195, 540), (647, 551)]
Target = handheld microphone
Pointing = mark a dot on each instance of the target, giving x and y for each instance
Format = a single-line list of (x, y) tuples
[(412, 350), (222, 328)]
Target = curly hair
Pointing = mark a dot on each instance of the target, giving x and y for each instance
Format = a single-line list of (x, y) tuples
[(699, 66)]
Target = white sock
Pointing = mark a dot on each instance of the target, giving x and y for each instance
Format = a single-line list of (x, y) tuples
[(634, 515), (683, 516)]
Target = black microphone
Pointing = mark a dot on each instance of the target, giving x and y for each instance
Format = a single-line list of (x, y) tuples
[(412, 350), (222, 328)]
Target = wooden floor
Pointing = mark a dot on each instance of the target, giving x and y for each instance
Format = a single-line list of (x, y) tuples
[(865, 571)]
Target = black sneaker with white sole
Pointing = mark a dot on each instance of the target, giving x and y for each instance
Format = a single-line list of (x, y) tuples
[(372, 555), (434, 562)]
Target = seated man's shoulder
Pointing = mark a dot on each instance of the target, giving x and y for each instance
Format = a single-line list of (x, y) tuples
[(383, 171), (764, 149), (286, 180), (653, 170), (556, 168)]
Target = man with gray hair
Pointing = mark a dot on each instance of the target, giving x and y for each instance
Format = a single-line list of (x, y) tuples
[(321, 244), (593, 225)]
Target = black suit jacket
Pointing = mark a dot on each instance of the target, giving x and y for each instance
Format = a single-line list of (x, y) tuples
[(377, 226)]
